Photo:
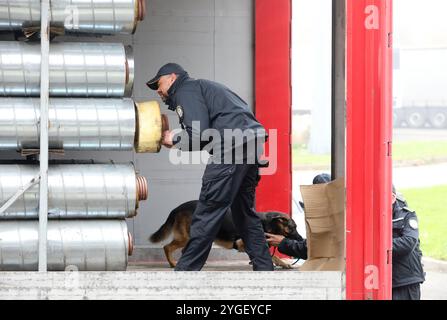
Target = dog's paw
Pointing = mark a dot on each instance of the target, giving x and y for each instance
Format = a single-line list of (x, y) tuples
[(240, 245), (284, 266), (281, 263)]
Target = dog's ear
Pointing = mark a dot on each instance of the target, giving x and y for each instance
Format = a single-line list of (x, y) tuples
[(291, 223), (281, 219), (277, 215)]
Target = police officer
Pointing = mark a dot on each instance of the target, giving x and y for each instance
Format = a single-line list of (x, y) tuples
[(295, 247), (408, 273), (202, 105)]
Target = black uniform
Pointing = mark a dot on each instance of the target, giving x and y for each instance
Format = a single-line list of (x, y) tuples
[(294, 248), (223, 185), (408, 273)]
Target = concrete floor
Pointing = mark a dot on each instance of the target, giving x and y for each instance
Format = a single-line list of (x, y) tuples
[(434, 288), (223, 265), (155, 281)]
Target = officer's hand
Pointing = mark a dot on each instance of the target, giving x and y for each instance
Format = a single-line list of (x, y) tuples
[(166, 139), (274, 239)]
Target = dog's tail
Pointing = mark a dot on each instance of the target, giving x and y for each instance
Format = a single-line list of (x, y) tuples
[(164, 231)]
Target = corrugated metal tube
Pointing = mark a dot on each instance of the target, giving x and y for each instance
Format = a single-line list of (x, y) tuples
[(75, 124), (75, 16), (76, 69), (94, 191), (82, 124), (84, 245)]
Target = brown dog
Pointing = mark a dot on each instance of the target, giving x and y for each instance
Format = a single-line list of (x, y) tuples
[(179, 221)]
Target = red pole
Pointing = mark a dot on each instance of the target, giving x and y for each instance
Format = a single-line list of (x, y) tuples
[(369, 136), (273, 98)]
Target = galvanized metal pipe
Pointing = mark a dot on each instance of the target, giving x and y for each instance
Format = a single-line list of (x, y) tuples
[(83, 124), (85, 245), (75, 124), (76, 69), (75, 16), (94, 191)]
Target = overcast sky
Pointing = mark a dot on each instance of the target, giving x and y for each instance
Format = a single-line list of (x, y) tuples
[(420, 23), (417, 24)]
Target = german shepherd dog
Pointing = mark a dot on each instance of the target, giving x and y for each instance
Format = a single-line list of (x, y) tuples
[(179, 221)]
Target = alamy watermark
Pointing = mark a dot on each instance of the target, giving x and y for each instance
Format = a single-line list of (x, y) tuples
[(227, 146), (59, 12), (71, 18)]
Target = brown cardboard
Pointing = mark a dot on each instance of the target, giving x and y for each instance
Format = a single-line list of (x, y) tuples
[(324, 209)]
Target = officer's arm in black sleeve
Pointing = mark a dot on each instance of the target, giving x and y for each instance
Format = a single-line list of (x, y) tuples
[(194, 120), (294, 248), (406, 243)]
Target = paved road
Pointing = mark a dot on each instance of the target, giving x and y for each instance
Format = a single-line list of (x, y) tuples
[(420, 176), (406, 177), (419, 135), (435, 286)]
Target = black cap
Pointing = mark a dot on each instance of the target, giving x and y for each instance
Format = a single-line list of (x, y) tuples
[(322, 178), (166, 69)]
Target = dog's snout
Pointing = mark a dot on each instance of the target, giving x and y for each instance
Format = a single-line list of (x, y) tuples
[(294, 235)]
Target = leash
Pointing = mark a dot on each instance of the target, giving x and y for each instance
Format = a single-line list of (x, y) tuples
[(274, 251), (295, 262)]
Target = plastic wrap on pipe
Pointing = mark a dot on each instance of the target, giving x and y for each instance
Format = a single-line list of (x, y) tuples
[(76, 69), (84, 245), (93, 191), (74, 16), (150, 126), (82, 124)]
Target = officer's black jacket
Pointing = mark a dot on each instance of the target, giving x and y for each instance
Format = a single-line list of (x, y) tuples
[(294, 248), (213, 105), (407, 263)]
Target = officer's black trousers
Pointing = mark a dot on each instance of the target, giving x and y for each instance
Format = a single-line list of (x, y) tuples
[(410, 292), (225, 186)]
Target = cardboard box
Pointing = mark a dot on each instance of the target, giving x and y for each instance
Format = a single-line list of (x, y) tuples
[(324, 210)]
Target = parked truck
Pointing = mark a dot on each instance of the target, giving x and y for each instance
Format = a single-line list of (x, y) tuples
[(420, 87)]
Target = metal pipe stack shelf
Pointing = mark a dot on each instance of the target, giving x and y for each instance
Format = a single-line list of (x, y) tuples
[(88, 106)]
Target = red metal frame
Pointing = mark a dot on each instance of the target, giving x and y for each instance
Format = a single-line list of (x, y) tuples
[(369, 135), (369, 132), (273, 97)]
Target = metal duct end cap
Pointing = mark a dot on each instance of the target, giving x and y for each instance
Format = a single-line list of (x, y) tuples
[(142, 188), (140, 13), (149, 127), (131, 245), (141, 10), (130, 71)]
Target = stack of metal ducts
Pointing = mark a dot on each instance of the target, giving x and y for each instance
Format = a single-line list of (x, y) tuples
[(88, 110), (87, 205)]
